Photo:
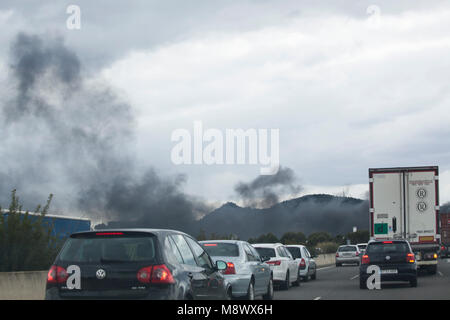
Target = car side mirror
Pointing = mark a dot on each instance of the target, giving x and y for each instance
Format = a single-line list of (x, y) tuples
[(265, 258), (221, 265)]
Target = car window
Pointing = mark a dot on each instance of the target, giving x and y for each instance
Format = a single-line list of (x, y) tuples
[(221, 249), (381, 247), (306, 253), (172, 252), (280, 252), (347, 248), (255, 253), (185, 250), (90, 248), (287, 253), (266, 252), (201, 255), (296, 252), (249, 253)]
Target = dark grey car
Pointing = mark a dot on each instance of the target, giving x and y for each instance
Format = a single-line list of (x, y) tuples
[(135, 264)]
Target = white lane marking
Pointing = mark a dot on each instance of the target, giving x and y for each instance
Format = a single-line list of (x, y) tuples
[(354, 277), (326, 268), (317, 298), (440, 273)]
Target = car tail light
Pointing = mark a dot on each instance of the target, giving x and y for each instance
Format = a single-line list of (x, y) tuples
[(144, 274), (337, 254), (365, 259), (387, 241), (357, 253), (442, 248), (161, 274), (302, 264), (410, 258), (57, 274), (230, 268), (275, 262)]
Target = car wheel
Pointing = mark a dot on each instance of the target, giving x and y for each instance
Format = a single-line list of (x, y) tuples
[(314, 276), (432, 270), (269, 294), (296, 283), (229, 294), (286, 283), (250, 291), (338, 264), (413, 282), (362, 283)]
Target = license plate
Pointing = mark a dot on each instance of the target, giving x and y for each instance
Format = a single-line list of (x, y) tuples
[(389, 271)]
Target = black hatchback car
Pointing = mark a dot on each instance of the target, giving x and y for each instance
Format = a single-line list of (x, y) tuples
[(135, 264), (395, 259)]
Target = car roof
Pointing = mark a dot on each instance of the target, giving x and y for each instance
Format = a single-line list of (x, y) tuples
[(222, 241), (295, 246), (143, 230), (267, 245)]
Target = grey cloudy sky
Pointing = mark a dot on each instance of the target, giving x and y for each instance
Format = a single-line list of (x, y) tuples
[(349, 88)]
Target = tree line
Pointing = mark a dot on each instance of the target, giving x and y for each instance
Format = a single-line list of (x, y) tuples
[(317, 242), (26, 244)]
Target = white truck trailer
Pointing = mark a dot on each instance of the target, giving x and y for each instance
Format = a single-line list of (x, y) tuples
[(404, 204)]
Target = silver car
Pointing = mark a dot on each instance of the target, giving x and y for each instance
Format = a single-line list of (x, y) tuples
[(248, 275), (348, 254), (307, 265)]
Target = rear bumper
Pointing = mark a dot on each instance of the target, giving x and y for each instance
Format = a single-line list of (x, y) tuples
[(239, 284), (347, 259), (166, 293), (406, 272), (278, 274)]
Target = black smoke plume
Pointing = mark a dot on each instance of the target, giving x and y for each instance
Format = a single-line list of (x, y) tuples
[(265, 190), (68, 133)]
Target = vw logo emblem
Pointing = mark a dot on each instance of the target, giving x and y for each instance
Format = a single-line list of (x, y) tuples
[(388, 258), (100, 274)]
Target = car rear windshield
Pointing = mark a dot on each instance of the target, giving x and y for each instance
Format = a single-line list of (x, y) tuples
[(221, 249), (387, 247), (362, 246), (347, 249), (266, 252), (296, 252), (109, 248)]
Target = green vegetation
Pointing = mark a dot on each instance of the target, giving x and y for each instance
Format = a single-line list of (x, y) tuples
[(25, 243)]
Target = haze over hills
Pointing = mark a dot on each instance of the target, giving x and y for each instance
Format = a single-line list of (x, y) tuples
[(307, 214)]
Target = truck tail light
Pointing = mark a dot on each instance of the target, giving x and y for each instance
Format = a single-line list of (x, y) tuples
[(410, 258), (365, 259)]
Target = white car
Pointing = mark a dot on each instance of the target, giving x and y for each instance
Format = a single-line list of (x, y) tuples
[(362, 247), (283, 265), (307, 265)]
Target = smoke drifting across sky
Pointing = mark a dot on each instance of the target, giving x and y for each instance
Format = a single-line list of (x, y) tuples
[(72, 135), (265, 190)]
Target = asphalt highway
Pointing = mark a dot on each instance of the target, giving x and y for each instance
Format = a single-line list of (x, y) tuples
[(342, 283)]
